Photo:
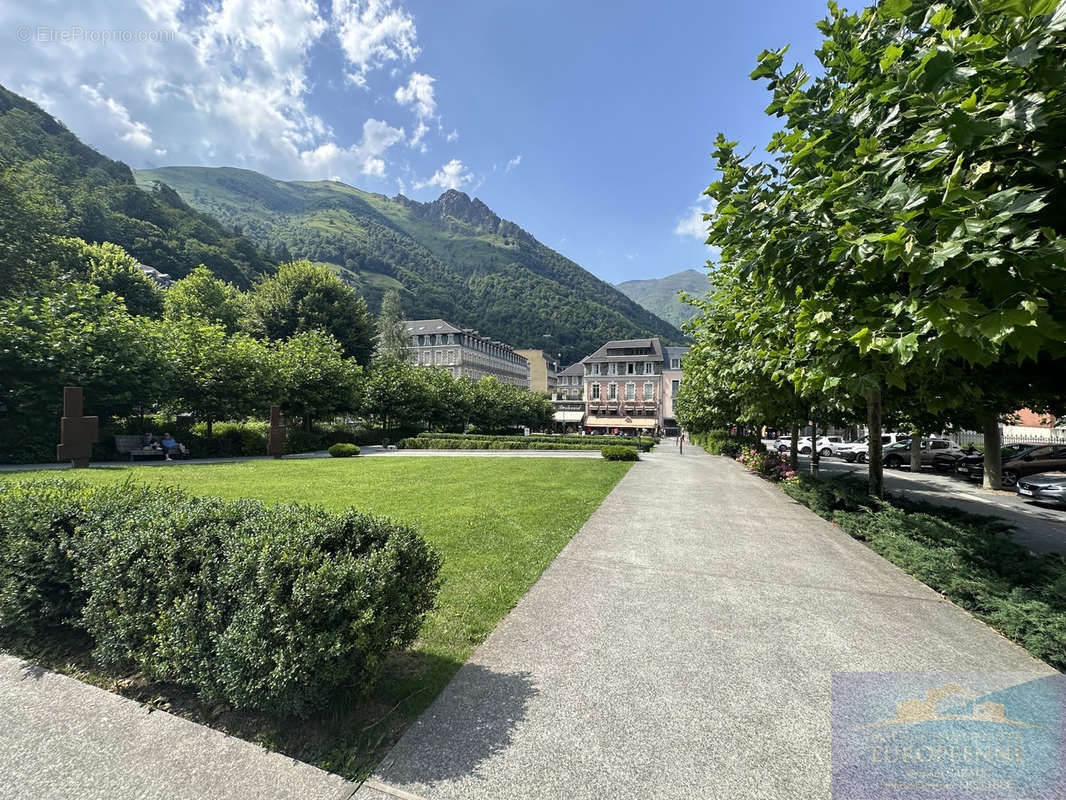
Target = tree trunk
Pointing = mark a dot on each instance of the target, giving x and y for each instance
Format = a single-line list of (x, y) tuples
[(815, 458), (793, 450), (916, 452), (993, 455), (873, 423)]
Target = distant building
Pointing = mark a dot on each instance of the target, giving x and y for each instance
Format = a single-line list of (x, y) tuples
[(161, 278), (569, 399), (543, 370), (672, 358), (464, 352), (629, 387)]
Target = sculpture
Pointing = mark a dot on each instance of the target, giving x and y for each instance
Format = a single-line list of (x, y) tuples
[(77, 433), (276, 438)]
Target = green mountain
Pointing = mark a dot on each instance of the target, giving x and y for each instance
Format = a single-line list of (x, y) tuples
[(80, 192), (451, 258), (659, 295)]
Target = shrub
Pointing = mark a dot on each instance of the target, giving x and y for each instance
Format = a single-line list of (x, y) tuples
[(724, 443), (619, 453), (344, 450), (270, 607), (773, 466), (297, 440)]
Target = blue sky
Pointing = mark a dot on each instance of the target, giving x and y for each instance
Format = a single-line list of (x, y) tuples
[(588, 124)]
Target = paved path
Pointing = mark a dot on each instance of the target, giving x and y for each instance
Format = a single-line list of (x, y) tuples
[(681, 646), (61, 739)]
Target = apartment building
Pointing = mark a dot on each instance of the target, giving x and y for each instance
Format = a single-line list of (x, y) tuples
[(464, 352), (569, 399), (629, 386), (543, 370)]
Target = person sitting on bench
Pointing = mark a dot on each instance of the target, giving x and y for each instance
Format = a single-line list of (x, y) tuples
[(171, 445)]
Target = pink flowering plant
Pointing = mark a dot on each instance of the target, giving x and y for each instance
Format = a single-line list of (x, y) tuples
[(770, 465)]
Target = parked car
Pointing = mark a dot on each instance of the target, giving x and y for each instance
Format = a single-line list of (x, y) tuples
[(827, 445), (860, 448), (977, 459), (896, 455), (1047, 486), (1044, 458), (782, 444)]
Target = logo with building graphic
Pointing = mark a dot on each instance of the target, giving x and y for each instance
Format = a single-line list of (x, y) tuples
[(949, 736)]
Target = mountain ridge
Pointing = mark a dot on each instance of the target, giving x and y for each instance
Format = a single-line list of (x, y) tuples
[(452, 257), (659, 295)]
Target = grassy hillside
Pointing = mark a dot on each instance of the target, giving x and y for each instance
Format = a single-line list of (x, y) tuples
[(659, 295), (452, 258), (80, 192)]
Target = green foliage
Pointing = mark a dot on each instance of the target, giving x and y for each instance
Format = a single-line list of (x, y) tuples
[(392, 338), (271, 607), (773, 466), (614, 452), (645, 443), (344, 450), (202, 296), (112, 270), (74, 337), (968, 559), (489, 443), (81, 193), (724, 443), (302, 297), (453, 258), (26, 241), (314, 379)]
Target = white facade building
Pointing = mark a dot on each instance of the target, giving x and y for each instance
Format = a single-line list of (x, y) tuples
[(464, 352)]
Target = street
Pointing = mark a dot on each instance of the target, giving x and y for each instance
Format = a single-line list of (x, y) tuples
[(1040, 527)]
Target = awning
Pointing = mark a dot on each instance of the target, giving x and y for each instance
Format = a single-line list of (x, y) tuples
[(622, 422), (569, 416)]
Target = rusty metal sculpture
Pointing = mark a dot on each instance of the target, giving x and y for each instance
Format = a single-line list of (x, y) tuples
[(77, 432), (276, 438)]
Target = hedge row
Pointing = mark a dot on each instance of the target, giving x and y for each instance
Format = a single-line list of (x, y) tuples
[(419, 443), (269, 607), (645, 442), (617, 452), (723, 443), (967, 558)]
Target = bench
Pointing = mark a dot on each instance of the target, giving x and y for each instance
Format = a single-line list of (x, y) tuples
[(133, 446)]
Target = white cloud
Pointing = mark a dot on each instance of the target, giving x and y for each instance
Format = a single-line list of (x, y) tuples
[(418, 93), (373, 33), (514, 162), (225, 84), (692, 223), (452, 137), (453, 175)]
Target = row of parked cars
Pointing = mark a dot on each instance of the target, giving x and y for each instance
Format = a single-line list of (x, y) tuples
[(1037, 470)]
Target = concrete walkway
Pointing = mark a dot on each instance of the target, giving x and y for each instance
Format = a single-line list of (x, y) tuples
[(61, 739), (681, 646)]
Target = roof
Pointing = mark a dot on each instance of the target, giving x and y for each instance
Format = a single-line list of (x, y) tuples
[(670, 353), (605, 352), (430, 326), (574, 369)]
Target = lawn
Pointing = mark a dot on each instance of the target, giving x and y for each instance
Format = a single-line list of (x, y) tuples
[(498, 522)]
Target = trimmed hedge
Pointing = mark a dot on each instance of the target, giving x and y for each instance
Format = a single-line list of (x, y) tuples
[(616, 452), (344, 450), (969, 559), (645, 443), (477, 444), (723, 443), (270, 607)]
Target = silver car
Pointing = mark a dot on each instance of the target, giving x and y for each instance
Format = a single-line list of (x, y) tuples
[(1049, 487)]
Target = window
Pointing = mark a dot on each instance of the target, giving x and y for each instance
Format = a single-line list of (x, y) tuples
[(673, 387), (595, 391), (649, 368), (631, 392), (631, 368), (612, 391), (675, 363), (649, 391), (613, 369)]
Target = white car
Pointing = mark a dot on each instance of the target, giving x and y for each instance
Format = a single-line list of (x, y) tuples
[(827, 445), (859, 449)]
